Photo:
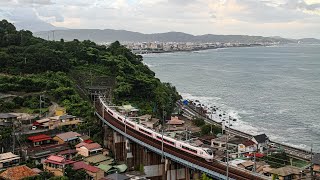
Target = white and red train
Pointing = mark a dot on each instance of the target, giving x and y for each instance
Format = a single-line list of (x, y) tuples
[(201, 152)]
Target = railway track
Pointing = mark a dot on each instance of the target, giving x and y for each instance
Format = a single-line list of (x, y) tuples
[(292, 151), (214, 166)]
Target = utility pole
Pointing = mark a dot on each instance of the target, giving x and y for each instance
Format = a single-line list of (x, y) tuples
[(13, 137), (311, 171), (255, 163), (40, 101), (227, 149), (125, 139), (162, 127)]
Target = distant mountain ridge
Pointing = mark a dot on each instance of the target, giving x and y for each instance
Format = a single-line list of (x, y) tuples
[(110, 35)]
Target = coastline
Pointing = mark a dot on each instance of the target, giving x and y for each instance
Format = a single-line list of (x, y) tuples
[(146, 51), (303, 146)]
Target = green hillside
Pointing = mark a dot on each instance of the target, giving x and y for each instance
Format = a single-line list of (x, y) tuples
[(33, 65)]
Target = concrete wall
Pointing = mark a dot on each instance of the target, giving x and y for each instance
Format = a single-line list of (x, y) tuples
[(176, 174), (154, 170)]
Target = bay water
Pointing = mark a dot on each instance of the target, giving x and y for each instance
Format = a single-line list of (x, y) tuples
[(273, 90)]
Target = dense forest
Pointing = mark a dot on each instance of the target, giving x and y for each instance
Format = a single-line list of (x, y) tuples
[(33, 65)]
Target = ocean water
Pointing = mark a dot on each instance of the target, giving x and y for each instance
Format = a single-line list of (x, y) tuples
[(273, 90)]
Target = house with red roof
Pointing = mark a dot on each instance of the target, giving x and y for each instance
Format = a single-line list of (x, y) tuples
[(88, 149), (40, 139), (56, 164), (17, 173), (92, 171)]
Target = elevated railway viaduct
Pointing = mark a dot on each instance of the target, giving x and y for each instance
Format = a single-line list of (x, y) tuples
[(216, 170)]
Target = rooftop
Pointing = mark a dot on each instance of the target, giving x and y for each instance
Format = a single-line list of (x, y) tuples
[(38, 138), (116, 176), (58, 160), (248, 143), (261, 138), (85, 137), (8, 157), (316, 159), (89, 146), (105, 167), (247, 163), (7, 116), (285, 171), (17, 173), (96, 159), (82, 165), (175, 121), (68, 135), (69, 151)]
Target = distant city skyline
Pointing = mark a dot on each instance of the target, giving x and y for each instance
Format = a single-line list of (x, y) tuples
[(285, 18)]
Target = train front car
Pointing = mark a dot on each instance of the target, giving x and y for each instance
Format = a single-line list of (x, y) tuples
[(208, 155)]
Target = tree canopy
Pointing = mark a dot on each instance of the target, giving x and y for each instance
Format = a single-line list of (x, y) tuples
[(30, 64)]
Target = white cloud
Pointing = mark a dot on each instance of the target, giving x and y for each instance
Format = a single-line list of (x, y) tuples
[(264, 17)]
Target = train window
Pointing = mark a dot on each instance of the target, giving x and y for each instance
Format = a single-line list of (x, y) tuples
[(165, 140), (110, 112), (209, 151), (189, 149), (119, 119), (129, 124), (144, 131)]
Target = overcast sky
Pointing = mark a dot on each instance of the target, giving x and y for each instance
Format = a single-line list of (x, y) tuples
[(286, 18)]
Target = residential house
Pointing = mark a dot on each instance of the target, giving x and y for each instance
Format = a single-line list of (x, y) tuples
[(41, 139), (39, 154), (286, 173), (68, 154), (316, 164), (247, 146), (88, 149), (92, 171), (206, 139), (175, 121), (246, 165), (221, 141), (148, 121), (58, 121), (68, 137), (56, 164), (96, 159), (261, 141), (17, 173), (8, 159), (7, 119), (84, 138), (60, 111), (64, 120)]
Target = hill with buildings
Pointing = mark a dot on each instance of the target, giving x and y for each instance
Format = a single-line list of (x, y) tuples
[(110, 35)]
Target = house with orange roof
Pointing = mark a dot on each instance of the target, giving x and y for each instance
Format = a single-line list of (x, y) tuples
[(17, 173), (56, 164), (175, 121), (88, 149)]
